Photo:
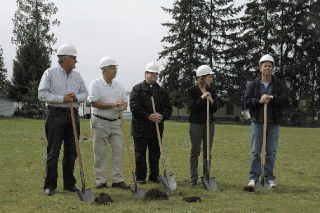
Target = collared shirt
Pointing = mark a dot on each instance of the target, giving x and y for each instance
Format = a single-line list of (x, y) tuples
[(99, 90), (55, 83)]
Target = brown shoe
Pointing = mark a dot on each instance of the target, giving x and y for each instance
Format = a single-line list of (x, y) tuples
[(101, 185), (120, 185)]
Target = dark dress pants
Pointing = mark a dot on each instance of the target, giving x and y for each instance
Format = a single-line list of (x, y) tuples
[(58, 128), (198, 134), (140, 146)]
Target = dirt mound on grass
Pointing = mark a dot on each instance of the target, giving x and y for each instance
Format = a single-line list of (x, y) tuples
[(248, 189), (191, 199), (103, 199), (156, 194)]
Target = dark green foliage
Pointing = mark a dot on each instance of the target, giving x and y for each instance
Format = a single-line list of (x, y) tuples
[(4, 83), (199, 31), (34, 42), (32, 107), (183, 48), (288, 30), (31, 33)]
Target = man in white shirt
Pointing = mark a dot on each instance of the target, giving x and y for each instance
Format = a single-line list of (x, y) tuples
[(58, 87), (107, 98)]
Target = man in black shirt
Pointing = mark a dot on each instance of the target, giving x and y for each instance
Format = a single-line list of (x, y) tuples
[(143, 127)]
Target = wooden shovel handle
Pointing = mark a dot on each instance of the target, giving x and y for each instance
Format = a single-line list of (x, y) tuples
[(208, 131), (157, 129), (127, 141), (75, 134), (264, 134)]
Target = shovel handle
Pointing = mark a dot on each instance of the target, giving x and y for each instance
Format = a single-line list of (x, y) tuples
[(127, 141), (208, 132), (264, 141), (157, 129), (75, 134)]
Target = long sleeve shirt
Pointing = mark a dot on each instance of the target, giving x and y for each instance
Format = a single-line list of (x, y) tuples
[(55, 83), (198, 106)]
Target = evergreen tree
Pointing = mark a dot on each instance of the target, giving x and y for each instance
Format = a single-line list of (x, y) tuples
[(221, 29), (183, 47), (31, 33), (4, 83), (287, 30), (254, 39), (196, 36)]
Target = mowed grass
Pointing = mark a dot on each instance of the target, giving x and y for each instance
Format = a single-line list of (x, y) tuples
[(22, 172)]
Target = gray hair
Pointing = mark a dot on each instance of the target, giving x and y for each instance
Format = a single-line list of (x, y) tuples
[(61, 58)]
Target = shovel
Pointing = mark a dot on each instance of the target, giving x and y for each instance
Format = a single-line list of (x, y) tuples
[(264, 141), (136, 192), (84, 194), (208, 183), (167, 182)]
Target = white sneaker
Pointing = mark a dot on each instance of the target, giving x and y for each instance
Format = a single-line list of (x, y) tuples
[(272, 184), (252, 183)]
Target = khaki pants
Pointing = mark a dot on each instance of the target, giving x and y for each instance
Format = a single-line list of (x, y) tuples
[(104, 131)]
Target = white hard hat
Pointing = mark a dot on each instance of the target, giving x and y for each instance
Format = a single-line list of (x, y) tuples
[(107, 61), (203, 70), (266, 58), (152, 67), (67, 49)]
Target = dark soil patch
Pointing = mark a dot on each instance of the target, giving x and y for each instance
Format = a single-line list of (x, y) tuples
[(155, 194), (248, 189), (191, 199), (103, 199)]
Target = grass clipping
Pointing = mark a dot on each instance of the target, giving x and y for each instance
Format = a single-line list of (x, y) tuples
[(103, 199), (155, 194)]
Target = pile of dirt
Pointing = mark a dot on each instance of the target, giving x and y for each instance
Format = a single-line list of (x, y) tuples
[(155, 194), (103, 199), (191, 199), (248, 189)]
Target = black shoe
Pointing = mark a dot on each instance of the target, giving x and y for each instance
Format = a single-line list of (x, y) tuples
[(48, 192), (71, 189), (154, 180), (193, 183), (120, 185), (101, 185)]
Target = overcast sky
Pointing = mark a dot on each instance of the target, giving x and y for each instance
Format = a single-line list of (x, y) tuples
[(129, 31)]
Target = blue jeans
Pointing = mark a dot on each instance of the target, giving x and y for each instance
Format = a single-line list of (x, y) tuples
[(271, 150)]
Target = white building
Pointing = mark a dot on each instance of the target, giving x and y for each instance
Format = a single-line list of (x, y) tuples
[(6, 107)]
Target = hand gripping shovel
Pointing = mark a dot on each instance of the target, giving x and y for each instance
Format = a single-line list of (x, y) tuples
[(136, 192), (207, 182), (84, 195), (167, 182), (262, 181)]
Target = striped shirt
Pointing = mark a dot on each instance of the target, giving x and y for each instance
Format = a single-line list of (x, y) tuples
[(55, 83)]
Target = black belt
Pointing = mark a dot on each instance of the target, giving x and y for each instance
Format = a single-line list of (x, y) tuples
[(61, 109), (103, 118)]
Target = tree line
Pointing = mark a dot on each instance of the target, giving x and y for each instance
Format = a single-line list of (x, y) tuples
[(231, 39), (228, 38)]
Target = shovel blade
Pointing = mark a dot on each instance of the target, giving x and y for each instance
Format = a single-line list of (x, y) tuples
[(209, 184), (138, 193), (86, 195), (168, 182)]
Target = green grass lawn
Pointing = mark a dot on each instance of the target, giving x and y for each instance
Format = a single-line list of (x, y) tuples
[(22, 172)]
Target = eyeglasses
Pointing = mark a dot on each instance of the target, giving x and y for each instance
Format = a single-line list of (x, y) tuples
[(152, 73)]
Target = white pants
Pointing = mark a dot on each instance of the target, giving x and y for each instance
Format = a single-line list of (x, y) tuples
[(102, 132)]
